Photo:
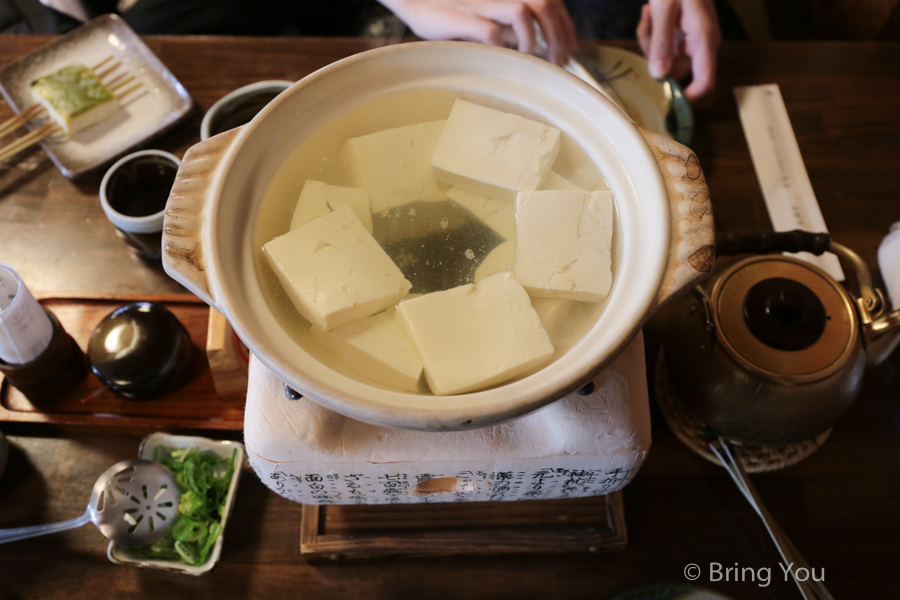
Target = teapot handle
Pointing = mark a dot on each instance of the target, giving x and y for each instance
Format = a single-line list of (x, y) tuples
[(764, 242), (880, 328), (692, 249), (184, 255)]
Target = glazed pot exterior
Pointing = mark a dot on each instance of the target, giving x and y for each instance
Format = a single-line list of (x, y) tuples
[(663, 241)]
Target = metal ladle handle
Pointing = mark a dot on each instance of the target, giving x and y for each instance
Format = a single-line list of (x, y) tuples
[(810, 588), (22, 533)]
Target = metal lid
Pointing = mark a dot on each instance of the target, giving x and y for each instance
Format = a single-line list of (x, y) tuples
[(784, 319)]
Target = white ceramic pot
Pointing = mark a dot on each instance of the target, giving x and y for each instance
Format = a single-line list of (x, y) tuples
[(663, 240)]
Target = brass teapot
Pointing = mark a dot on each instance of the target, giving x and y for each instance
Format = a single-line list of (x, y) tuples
[(771, 349)]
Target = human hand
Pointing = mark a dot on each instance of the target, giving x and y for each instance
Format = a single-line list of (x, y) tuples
[(492, 22), (681, 37)]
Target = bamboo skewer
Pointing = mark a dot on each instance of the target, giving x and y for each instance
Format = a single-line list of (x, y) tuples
[(119, 85), (27, 140), (129, 90), (103, 62), (20, 119), (108, 70)]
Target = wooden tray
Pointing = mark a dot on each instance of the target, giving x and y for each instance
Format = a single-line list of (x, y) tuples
[(193, 405), (533, 526)]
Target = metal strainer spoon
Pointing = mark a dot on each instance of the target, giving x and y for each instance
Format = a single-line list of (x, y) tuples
[(134, 502)]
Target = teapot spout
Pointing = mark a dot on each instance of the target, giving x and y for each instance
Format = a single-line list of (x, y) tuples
[(881, 337)]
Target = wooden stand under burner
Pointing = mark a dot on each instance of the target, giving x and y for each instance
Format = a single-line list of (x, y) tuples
[(595, 524)]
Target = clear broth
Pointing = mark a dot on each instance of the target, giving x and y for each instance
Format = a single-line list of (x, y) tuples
[(439, 248)]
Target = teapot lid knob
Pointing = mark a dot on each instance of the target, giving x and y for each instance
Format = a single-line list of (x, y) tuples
[(784, 314)]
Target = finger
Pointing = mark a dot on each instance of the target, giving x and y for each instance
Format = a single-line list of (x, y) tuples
[(509, 37), (515, 14), (643, 29), (681, 68), (681, 63), (703, 66), (665, 15), (473, 28), (523, 26), (568, 25), (548, 13), (451, 25)]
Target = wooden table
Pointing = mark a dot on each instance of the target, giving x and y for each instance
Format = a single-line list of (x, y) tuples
[(839, 506)]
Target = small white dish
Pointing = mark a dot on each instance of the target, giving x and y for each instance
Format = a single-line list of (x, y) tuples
[(158, 105), (241, 99), (125, 555)]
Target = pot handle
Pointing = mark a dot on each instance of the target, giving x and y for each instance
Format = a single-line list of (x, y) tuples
[(184, 257), (692, 247)]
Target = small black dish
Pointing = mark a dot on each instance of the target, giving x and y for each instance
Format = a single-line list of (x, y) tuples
[(139, 350)]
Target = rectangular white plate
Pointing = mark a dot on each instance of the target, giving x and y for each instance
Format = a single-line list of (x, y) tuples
[(159, 104)]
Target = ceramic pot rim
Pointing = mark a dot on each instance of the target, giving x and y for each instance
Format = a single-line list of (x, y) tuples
[(637, 184)]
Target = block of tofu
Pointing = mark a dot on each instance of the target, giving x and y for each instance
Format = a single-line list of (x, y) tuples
[(552, 312), (394, 165), (499, 215), (555, 181), (492, 152), (317, 199), (334, 271), (74, 97), (377, 348), (312, 203), (475, 335), (499, 260), (355, 198), (563, 244)]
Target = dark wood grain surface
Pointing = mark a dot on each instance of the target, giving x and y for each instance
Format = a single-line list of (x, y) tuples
[(840, 506)]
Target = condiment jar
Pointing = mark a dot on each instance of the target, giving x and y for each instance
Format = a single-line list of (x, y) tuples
[(139, 351)]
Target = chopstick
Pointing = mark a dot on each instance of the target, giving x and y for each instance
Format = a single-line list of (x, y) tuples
[(810, 589)]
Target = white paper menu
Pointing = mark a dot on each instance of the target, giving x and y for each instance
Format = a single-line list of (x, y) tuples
[(25, 329), (779, 167)]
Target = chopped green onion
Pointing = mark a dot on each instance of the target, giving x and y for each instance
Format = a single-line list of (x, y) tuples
[(202, 505)]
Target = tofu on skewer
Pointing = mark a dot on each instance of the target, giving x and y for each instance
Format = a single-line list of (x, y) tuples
[(74, 97)]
